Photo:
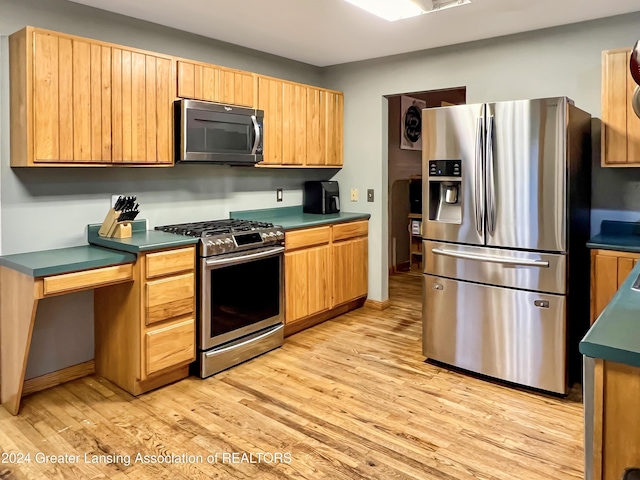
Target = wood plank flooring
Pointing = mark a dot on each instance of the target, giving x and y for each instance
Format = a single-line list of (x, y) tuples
[(351, 398)]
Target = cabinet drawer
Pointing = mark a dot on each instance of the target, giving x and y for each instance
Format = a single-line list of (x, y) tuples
[(87, 279), (170, 261), (307, 237), (170, 346), (344, 231), (170, 297)]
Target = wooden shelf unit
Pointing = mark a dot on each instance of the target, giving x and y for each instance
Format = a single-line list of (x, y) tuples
[(415, 244)]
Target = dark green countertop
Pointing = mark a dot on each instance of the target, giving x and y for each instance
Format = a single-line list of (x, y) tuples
[(291, 218), (615, 335), (65, 260), (142, 240), (621, 236)]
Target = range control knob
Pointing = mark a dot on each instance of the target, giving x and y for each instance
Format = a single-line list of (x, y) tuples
[(279, 234), (228, 241)]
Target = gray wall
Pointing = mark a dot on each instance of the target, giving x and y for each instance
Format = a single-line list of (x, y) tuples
[(552, 62), (50, 208)]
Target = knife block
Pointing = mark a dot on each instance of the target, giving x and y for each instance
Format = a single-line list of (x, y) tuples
[(123, 230), (114, 229)]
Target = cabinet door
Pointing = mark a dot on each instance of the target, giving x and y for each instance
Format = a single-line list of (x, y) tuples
[(307, 281), (335, 129), (236, 87), (360, 279), (270, 93), (350, 270), (621, 126), (294, 124), (609, 271), (196, 81), (71, 88), (316, 126), (143, 90)]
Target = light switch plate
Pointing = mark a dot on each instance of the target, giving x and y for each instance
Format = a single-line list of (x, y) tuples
[(370, 195), (279, 195)]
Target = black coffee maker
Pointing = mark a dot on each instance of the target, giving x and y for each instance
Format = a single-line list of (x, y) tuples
[(321, 197)]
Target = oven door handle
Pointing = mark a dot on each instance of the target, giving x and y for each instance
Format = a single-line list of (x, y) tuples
[(224, 262), (271, 331)]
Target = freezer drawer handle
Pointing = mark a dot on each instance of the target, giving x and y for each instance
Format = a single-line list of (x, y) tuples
[(489, 258), (541, 303)]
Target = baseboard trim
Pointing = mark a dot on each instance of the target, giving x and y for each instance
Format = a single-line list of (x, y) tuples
[(306, 322), (378, 305), (60, 376)]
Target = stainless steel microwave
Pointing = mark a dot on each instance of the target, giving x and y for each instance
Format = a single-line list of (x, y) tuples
[(216, 133)]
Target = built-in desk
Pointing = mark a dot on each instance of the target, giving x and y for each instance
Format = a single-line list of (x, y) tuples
[(144, 307), (26, 278)]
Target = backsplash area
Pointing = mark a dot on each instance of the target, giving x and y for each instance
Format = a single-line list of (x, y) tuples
[(50, 207)]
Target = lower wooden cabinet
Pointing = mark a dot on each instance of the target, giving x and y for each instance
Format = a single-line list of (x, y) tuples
[(145, 334), (307, 282), (616, 420), (350, 270), (609, 269), (325, 269)]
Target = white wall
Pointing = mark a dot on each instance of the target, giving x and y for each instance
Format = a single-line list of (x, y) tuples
[(50, 208), (552, 62)]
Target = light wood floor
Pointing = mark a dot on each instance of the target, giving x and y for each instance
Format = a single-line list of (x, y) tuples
[(348, 399)]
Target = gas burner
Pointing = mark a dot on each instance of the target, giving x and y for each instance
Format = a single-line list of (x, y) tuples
[(229, 235)]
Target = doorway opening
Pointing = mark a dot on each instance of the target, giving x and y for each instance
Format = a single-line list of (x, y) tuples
[(405, 173)]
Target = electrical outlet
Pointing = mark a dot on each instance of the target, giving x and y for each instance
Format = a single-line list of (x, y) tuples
[(370, 195), (279, 195), (354, 194)]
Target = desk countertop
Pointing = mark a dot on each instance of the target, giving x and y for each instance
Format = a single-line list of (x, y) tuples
[(292, 218), (65, 260)]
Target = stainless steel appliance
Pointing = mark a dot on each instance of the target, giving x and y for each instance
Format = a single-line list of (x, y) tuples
[(321, 197), (240, 305), (634, 67), (216, 133), (506, 192)]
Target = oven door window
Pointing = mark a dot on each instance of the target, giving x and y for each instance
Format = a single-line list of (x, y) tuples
[(244, 294), (214, 132)]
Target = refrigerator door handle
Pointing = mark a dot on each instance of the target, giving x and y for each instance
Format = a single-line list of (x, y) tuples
[(524, 262), (478, 198), (491, 186)]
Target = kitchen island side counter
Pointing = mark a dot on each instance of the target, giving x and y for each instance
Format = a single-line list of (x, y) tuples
[(611, 350)]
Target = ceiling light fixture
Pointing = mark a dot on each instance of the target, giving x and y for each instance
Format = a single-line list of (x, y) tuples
[(393, 10)]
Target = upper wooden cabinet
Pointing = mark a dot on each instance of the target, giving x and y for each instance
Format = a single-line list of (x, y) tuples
[(303, 124), (76, 101), (202, 81), (80, 101), (620, 125)]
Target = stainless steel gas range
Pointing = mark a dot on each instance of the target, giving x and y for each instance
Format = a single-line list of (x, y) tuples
[(240, 305)]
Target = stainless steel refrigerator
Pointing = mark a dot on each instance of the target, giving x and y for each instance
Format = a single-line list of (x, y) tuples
[(506, 200)]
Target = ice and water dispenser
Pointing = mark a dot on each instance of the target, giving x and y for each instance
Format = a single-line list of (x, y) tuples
[(445, 191)]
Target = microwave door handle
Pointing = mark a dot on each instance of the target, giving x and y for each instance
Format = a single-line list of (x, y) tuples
[(256, 129)]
